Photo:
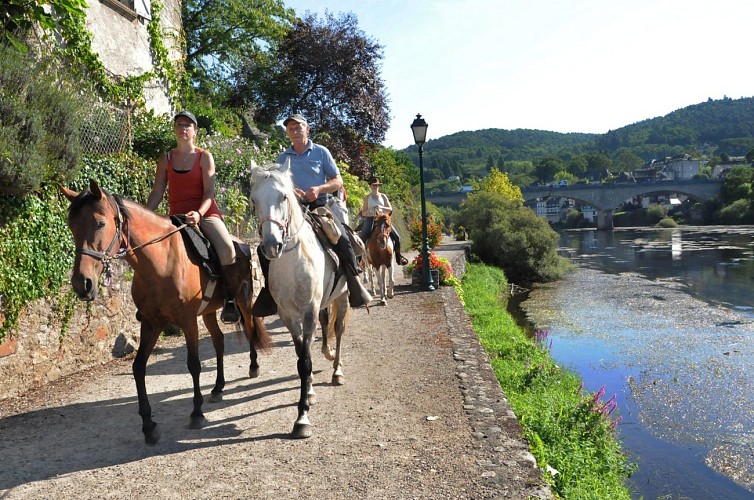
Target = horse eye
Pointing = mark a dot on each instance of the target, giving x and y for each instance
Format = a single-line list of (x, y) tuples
[(101, 224)]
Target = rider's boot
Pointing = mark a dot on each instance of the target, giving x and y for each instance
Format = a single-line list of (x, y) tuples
[(357, 294), (265, 304), (230, 312), (400, 259)]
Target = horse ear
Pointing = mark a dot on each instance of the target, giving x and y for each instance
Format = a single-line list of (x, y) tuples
[(71, 195), (94, 188), (286, 167)]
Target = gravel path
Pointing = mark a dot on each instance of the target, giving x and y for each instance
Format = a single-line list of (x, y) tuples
[(420, 416)]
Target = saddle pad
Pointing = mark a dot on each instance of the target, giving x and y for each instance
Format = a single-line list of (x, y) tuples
[(200, 247)]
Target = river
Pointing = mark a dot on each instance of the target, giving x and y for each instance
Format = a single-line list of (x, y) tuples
[(664, 319)]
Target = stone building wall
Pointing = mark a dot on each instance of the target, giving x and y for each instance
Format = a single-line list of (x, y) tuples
[(121, 40)]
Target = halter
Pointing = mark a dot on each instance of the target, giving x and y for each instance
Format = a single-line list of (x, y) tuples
[(283, 224), (105, 257)]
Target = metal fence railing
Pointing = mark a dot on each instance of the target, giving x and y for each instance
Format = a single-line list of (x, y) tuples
[(106, 129)]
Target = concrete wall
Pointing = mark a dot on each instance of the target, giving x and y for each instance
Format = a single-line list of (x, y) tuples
[(121, 40)]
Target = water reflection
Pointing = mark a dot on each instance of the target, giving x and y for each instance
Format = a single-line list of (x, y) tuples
[(663, 318)]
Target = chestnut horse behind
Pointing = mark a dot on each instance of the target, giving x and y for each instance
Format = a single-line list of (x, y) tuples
[(380, 255), (167, 286)]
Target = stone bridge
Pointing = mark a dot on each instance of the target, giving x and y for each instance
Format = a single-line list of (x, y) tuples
[(605, 198)]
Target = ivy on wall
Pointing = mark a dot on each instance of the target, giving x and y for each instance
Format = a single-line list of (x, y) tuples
[(124, 91)]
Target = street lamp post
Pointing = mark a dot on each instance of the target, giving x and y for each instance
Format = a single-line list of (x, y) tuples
[(419, 128)]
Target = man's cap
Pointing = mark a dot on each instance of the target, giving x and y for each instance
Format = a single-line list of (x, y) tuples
[(295, 117), (187, 114)]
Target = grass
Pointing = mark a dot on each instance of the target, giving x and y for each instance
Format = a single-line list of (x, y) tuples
[(570, 433)]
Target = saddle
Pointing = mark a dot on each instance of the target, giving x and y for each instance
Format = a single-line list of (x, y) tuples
[(201, 248), (321, 221)]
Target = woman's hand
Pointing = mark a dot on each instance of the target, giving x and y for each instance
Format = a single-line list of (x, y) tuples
[(193, 218)]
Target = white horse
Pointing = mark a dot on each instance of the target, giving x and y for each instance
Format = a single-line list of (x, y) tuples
[(302, 280)]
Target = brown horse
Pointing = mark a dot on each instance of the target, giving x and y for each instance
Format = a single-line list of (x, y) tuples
[(167, 286), (380, 254)]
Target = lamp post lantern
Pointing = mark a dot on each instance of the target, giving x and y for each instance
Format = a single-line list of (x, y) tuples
[(419, 128)]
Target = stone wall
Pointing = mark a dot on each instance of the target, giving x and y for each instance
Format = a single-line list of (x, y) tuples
[(35, 354)]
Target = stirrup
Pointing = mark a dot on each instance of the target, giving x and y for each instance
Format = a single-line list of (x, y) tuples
[(230, 313)]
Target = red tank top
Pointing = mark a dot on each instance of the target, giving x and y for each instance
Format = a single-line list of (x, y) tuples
[(186, 188)]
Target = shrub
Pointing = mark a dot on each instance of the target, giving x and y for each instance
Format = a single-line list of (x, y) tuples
[(40, 121), (508, 235), (440, 263), (152, 135), (667, 222), (415, 229)]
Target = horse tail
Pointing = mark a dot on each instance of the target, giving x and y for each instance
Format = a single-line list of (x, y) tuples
[(260, 337)]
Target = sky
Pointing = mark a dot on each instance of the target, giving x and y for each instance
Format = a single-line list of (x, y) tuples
[(558, 65)]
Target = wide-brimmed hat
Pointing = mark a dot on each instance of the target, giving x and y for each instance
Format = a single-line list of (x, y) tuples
[(295, 117), (187, 114)]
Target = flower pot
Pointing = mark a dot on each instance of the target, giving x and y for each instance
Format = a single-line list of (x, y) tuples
[(417, 277)]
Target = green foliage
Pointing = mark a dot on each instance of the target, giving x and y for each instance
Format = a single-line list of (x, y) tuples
[(498, 182), (736, 185), (655, 213), (36, 252), (17, 17), (40, 119), (221, 36), (508, 235), (738, 212), (667, 222), (568, 431), (152, 135)]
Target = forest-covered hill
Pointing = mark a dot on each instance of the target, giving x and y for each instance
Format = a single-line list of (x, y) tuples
[(715, 128)]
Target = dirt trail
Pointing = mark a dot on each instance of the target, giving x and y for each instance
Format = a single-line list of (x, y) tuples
[(421, 416)]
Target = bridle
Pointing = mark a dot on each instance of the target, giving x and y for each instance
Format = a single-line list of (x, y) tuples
[(106, 257), (283, 224)]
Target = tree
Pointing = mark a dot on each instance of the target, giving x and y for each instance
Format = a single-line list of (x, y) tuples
[(545, 168), (736, 185), (498, 182), (328, 70), (221, 34)]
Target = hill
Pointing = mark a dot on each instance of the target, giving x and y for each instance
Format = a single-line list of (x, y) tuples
[(710, 129)]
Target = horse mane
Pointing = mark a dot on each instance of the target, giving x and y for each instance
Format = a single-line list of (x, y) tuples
[(272, 170)]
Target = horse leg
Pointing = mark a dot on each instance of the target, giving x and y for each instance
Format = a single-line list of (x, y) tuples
[(372, 271), (324, 321), (381, 280), (191, 333), (391, 281), (302, 426), (149, 336), (218, 341), (341, 311), (255, 331)]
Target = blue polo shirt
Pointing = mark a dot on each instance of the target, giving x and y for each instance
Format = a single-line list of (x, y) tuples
[(313, 167)]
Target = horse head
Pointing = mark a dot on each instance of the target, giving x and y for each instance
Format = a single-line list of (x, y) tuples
[(275, 205), (382, 227), (95, 221)]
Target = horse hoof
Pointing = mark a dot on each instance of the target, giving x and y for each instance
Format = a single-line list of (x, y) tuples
[(253, 372), (390, 294), (338, 380), (301, 431), (383, 302), (197, 422), (216, 397), (151, 438)]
